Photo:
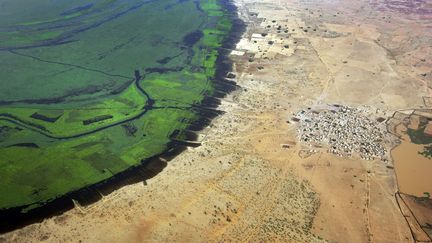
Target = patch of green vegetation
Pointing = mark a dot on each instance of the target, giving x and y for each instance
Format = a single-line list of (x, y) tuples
[(419, 136), (427, 151), (72, 113), (121, 107)]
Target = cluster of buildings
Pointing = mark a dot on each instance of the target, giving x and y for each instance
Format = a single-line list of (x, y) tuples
[(344, 131)]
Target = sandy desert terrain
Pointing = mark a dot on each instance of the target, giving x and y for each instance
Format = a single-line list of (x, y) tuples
[(252, 179)]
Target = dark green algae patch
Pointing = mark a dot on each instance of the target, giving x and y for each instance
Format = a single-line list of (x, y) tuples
[(93, 94)]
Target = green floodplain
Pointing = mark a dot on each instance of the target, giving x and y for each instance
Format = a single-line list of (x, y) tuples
[(418, 136), (91, 89)]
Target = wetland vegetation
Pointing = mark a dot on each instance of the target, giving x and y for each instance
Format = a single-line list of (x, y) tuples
[(90, 90)]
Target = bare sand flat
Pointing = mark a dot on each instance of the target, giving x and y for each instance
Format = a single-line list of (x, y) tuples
[(252, 180)]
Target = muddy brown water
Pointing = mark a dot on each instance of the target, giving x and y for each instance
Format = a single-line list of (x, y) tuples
[(413, 170)]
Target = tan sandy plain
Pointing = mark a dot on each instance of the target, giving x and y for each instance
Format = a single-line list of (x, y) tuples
[(243, 184)]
